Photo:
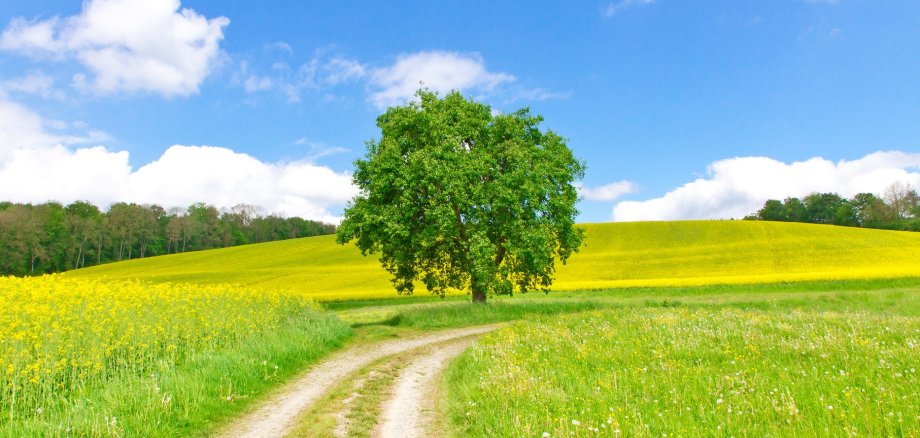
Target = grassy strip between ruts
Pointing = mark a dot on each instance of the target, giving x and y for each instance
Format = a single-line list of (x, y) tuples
[(788, 369), (192, 398), (353, 407)]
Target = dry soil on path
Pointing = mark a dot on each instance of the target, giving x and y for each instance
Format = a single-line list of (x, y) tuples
[(409, 413), (277, 415)]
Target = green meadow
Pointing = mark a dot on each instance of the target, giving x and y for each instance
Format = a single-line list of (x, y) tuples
[(696, 370)]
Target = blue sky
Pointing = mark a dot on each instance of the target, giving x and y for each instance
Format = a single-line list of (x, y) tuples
[(680, 109)]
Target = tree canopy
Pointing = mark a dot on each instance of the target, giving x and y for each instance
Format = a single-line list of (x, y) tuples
[(897, 209), (457, 196), (51, 237)]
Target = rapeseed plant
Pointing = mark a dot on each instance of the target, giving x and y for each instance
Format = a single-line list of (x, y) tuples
[(615, 255), (60, 336)]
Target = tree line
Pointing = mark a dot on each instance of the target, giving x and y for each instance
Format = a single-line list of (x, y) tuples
[(896, 209), (51, 237)]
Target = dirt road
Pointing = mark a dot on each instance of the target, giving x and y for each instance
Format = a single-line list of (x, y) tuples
[(409, 410), (278, 414)]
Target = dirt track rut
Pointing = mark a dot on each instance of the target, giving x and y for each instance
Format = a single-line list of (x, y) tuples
[(276, 416)]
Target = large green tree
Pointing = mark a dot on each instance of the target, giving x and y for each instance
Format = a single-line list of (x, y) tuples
[(457, 196)]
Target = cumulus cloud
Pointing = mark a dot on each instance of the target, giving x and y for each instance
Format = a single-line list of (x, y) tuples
[(127, 45), (437, 70), (737, 187), (36, 166), (609, 192), (295, 188), (21, 128)]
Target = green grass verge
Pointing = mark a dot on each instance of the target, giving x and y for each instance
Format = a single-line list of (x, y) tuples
[(828, 363), (456, 311), (194, 397)]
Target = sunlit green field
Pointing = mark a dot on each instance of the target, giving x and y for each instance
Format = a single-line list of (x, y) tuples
[(652, 254), (697, 371)]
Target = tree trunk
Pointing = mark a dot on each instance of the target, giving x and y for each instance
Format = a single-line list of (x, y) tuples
[(479, 295), (80, 253)]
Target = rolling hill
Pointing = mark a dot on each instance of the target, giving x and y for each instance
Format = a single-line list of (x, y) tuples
[(681, 253)]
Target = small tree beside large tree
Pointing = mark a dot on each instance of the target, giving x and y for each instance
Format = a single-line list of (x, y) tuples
[(458, 197)]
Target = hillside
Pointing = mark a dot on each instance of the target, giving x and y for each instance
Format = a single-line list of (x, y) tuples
[(615, 255)]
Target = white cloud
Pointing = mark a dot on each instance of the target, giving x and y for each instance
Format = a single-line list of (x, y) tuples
[(127, 45), (251, 82), (388, 85), (540, 94), (318, 150), (339, 70), (609, 192), (439, 71), (36, 166), (35, 82), (737, 187), (34, 38), (281, 46), (21, 128), (614, 8), (255, 83), (296, 188)]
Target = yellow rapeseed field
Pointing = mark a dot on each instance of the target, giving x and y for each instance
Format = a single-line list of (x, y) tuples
[(683, 253), (58, 335), (700, 253)]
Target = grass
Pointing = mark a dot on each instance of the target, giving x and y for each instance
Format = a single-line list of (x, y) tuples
[(832, 363), (187, 393), (90, 358), (191, 399), (454, 311), (616, 255)]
